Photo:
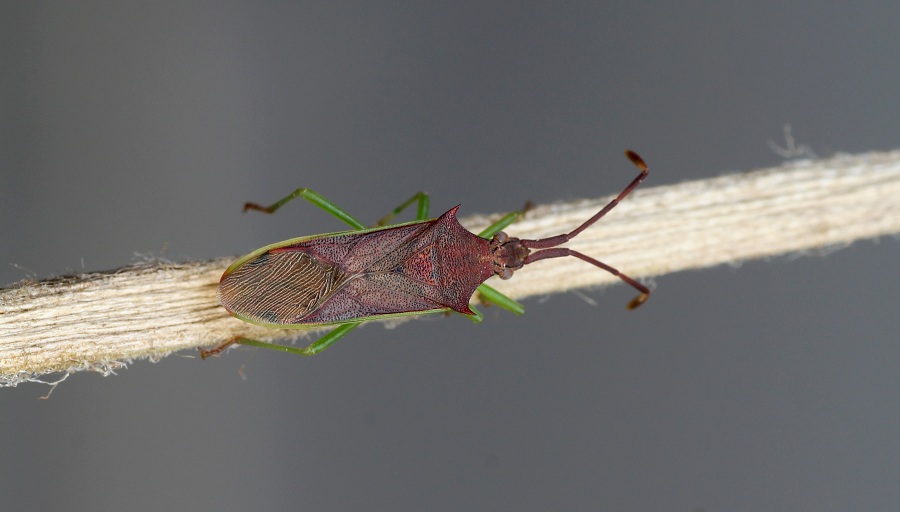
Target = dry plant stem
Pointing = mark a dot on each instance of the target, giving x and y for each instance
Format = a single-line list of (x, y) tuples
[(98, 321)]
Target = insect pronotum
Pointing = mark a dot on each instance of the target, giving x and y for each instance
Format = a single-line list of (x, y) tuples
[(419, 267)]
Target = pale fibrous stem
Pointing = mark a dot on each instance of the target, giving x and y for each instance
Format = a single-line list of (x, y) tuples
[(100, 321)]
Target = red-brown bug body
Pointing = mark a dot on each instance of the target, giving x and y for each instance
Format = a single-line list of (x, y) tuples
[(350, 277), (360, 275)]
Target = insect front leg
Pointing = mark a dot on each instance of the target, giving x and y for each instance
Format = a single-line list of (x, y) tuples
[(489, 295), (421, 210), (313, 349), (505, 221), (315, 198)]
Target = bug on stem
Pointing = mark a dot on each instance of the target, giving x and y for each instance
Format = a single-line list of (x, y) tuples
[(424, 266)]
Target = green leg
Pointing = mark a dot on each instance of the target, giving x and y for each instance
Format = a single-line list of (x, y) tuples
[(477, 317), (315, 198), (489, 295), (505, 221), (421, 210), (319, 345)]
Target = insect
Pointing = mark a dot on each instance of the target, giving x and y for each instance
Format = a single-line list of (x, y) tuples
[(350, 277)]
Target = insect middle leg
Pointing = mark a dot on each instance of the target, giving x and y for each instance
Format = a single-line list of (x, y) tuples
[(421, 198), (315, 198)]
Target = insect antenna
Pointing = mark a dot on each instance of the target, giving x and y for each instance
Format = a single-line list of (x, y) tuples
[(547, 247)]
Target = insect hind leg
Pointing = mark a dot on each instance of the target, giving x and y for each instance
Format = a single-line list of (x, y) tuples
[(315, 348), (315, 198)]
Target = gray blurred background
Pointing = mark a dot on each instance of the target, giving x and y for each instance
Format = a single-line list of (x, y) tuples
[(140, 129)]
